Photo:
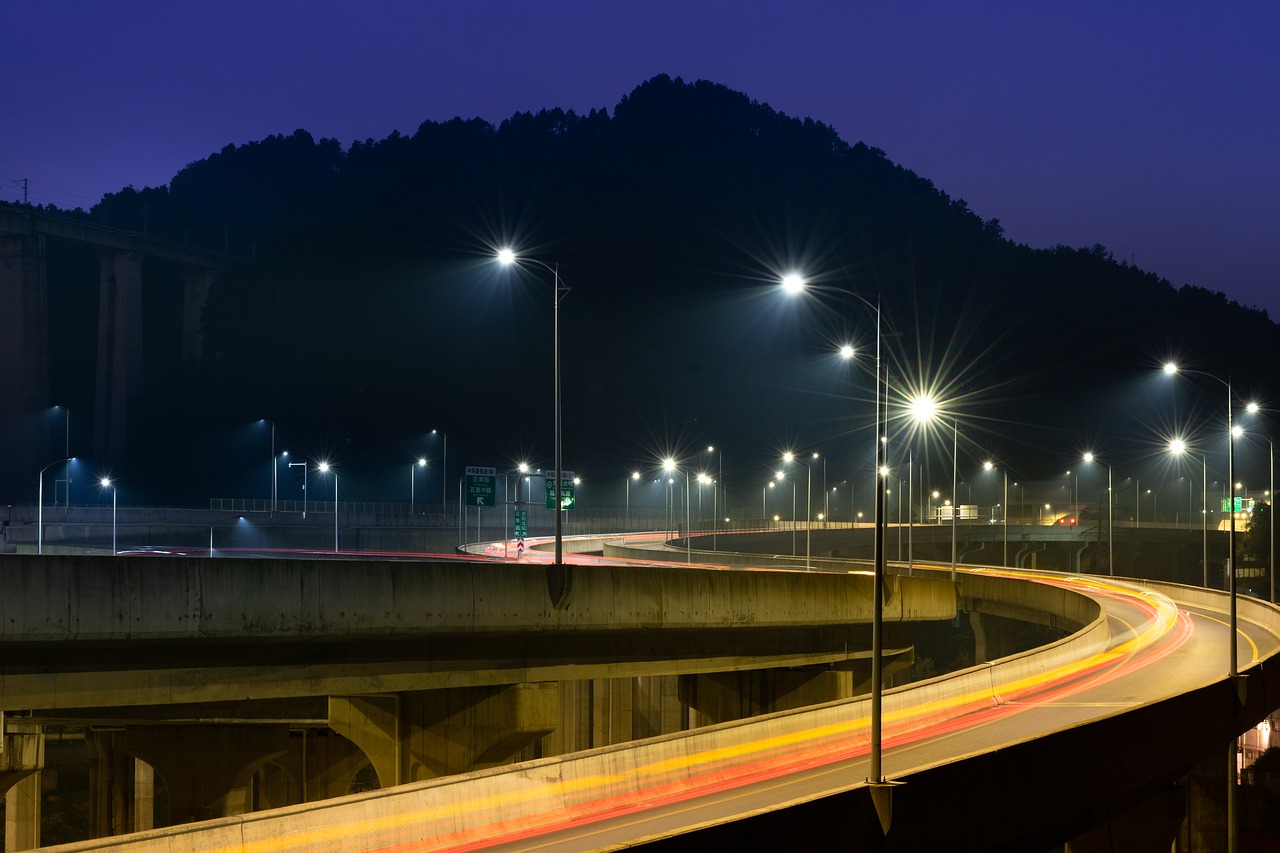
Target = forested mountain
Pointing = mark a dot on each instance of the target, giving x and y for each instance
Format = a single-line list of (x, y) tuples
[(364, 308)]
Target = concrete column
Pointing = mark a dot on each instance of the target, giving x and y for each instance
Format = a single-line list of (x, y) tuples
[(24, 350), (22, 814), (320, 765), (195, 290), (413, 736), (119, 376), (993, 637), (1205, 829), (206, 768), (723, 696), (111, 783)]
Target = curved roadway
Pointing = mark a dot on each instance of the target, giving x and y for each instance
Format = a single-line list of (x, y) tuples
[(1162, 645)]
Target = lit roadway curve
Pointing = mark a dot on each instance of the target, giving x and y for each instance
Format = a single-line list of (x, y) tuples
[(1006, 755), (1159, 648)]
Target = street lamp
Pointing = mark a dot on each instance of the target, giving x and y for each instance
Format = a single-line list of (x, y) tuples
[(1178, 447), (669, 466), (324, 469), (1253, 409), (421, 463), (924, 409), (507, 257), (1088, 458), (444, 466), (66, 452), (303, 465), (1004, 514), (715, 505), (273, 461), (1170, 368), (788, 458), (634, 478), (40, 502), (793, 283), (106, 484)]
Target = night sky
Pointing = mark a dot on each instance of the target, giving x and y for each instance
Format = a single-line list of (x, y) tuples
[(1150, 129)]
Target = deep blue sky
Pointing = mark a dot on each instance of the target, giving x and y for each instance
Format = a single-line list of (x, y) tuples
[(1152, 129)]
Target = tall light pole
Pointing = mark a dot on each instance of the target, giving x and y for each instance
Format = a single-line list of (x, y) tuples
[(273, 461), (303, 466), (421, 463), (507, 257), (794, 284), (106, 484), (634, 478), (1088, 458), (788, 458), (924, 409), (715, 507), (1170, 368), (324, 469), (1178, 447), (444, 465), (1004, 514), (40, 502)]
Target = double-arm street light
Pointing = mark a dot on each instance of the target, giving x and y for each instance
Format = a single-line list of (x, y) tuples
[(795, 284), (507, 257)]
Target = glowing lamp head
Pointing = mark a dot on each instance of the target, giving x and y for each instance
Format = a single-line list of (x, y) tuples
[(506, 257), (1177, 446), (846, 352), (923, 408), (324, 466), (105, 481), (422, 463), (1170, 368), (668, 464), (987, 466), (793, 283), (1088, 457)]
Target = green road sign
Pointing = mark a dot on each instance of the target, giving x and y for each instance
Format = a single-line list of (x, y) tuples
[(566, 491), (522, 523), (481, 486)]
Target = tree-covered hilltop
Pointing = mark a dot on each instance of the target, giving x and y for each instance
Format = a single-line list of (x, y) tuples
[(363, 307)]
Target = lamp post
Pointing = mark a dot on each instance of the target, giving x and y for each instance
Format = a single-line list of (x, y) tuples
[(444, 465), (794, 284), (1170, 368), (1004, 506), (635, 477), (788, 458), (421, 463), (670, 467), (303, 465), (273, 461), (1178, 447), (324, 469), (1088, 458), (40, 503), (507, 257), (106, 484), (715, 505)]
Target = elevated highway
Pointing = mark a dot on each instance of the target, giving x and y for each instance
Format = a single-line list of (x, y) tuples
[(1132, 701)]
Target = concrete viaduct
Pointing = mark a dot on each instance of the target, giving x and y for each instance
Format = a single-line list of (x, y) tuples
[(24, 336)]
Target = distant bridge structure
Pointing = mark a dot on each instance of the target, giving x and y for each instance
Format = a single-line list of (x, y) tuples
[(24, 331)]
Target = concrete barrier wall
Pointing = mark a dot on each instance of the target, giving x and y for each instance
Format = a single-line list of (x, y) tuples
[(525, 796), (64, 598)]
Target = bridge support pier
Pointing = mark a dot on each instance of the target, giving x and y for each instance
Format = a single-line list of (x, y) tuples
[(1205, 829), (318, 766), (121, 787), (206, 768), (413, 736), (719, 697), (993, 637), (20, 766), (603, 711)]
